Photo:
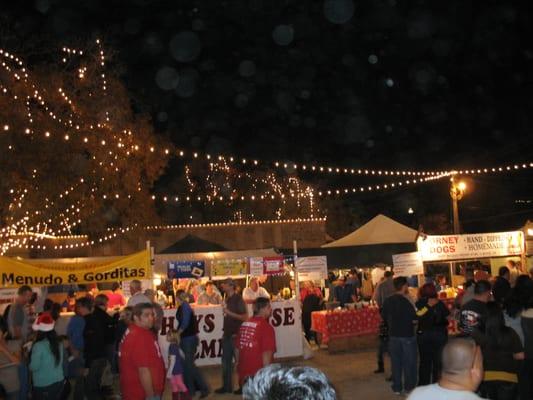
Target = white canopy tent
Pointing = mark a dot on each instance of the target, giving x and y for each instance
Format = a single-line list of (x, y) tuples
[(379, 230)]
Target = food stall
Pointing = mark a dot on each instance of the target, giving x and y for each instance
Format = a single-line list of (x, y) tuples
[(238, 265)]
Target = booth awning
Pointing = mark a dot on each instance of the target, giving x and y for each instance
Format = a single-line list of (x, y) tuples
[(379, 230)]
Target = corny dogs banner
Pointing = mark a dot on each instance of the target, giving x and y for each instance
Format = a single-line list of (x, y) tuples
[(15, 272)]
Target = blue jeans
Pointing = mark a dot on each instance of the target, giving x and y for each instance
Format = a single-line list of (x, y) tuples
[(192, 376), (402, 352), (228, 352)]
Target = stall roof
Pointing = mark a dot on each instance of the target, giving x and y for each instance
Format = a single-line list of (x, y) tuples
[(161, 260), (379, 230), (191, 243)]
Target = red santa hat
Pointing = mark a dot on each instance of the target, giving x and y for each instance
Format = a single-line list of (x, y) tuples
[(44, 323)]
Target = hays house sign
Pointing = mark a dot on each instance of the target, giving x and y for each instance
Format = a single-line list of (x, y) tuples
[(475, 246)]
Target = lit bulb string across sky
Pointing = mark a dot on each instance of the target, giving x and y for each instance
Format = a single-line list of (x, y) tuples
[(315, 193)]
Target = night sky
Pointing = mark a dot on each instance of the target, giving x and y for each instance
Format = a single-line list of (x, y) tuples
[(387, 84)]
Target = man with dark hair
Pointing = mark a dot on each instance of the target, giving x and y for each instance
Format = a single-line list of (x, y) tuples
[(502, 286), (344, 292), (188, 331), (235, 314), (18, 318), (383, 290), (275, 382), (75, 329), (400, 314), (98, 337), (142, 370), (255, 342), (474, 313), (462, 372), (210, 296)]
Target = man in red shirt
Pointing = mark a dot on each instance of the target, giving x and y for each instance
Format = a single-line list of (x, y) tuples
[(256, 341), (142, 370)]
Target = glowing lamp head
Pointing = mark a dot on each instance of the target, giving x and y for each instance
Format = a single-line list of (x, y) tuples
[(462, 186)]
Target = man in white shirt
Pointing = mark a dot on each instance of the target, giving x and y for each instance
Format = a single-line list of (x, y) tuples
[(137, 296), (462, 372), (253, 291)]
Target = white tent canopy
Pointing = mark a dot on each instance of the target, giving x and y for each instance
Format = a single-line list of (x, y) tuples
[(379, 230)]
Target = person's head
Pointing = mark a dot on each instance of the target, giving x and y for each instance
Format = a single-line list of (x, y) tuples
[(44, 327), (511, 264), (135, 286), (101, 301), (126, 315), (311, 285), (441, 279), (143, 315), (262, 307), (276, 382), (83, 306), (209, 288), (181, 297), (254, 284), (428, 291), (504, 272), (468, 283), (462, 364), (482, 290), (150, 293), (388, 274), (400, 285), (115, 287), (229, 286), (24, 294), (71, 294), (173, 336)]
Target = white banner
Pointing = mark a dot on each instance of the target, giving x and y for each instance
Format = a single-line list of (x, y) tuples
[(312, 268), (285, 319), (408, 264), (256, 266), (462, 247)]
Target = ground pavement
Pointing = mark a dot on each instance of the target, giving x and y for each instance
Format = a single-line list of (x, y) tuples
[(351, 373)]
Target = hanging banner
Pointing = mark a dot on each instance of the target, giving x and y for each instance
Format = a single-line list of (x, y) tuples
[(256, 266), (16, 272), (273, 266), (223, 268), (185, 269), (463, 247), (408, 264), (312, 268)]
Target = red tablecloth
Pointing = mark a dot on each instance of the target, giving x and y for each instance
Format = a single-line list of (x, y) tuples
[(364, 321), (345, 323)]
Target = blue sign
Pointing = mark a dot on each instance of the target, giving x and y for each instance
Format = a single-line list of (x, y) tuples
[(185, 269)]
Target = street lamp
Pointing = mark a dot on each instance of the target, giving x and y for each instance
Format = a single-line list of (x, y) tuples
[(457, 191)]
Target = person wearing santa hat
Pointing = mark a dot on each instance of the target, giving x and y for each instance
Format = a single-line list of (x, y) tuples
[(46, 360)]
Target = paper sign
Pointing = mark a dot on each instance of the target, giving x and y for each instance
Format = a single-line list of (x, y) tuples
[(408, 264)]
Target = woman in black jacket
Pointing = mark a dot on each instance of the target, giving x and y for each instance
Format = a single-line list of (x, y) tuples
[(432, 333)]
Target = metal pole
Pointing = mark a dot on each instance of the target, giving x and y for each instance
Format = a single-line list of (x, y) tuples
[(296, 280)]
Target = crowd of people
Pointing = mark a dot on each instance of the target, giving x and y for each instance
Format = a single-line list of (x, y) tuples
[(496, 316), (101, 347)]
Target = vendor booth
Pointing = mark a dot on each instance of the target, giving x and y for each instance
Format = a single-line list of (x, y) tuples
[(240, 266)]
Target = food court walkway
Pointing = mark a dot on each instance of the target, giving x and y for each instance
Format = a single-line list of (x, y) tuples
[(351, 374)]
